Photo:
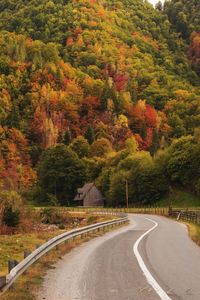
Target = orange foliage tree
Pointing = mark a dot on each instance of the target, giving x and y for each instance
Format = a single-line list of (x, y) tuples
[(194, 51)]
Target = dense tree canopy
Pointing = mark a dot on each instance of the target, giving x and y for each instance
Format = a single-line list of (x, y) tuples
[(184, 15), (60, 172), (99, 87)]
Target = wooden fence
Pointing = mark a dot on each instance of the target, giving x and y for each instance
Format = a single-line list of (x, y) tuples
[(186, 215), (137, 210)]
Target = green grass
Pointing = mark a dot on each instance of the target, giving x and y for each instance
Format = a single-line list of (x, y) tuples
[(180, 199), (13, 246), (194, 232)]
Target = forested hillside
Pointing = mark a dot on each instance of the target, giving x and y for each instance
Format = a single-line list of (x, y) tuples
[(184, 17), (99, 90)]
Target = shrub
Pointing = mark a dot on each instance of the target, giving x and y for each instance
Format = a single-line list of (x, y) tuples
[(10, 208), (91, 220), (11, 217), (198, 187), (51, 215)]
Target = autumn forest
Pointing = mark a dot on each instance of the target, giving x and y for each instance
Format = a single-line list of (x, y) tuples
[(100, 91)]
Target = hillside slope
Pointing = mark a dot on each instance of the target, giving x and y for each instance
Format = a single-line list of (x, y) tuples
[(108, 70), (184, 15)]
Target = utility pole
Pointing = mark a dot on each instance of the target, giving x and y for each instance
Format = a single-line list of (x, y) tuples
[(127, 204)]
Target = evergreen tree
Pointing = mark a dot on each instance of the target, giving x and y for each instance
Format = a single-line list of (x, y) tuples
[(89, 135), (105, 96), (159, 6), (14, 119), (11, 218), (67, 137), (155, 142)]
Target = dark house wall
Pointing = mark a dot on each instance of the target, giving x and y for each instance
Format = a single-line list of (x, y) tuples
[(93, 198)]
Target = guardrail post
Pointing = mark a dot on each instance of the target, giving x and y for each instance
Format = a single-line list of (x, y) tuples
[(27, 253), (2, 281), (12, 264)]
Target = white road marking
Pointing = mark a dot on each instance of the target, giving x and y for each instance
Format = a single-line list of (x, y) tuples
[(151, 280)]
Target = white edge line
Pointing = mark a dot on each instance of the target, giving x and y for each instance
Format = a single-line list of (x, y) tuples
[(151, 280)]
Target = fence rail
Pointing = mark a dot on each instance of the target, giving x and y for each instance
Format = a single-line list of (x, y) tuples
[(146, 210), (7, 281), (186, 215)]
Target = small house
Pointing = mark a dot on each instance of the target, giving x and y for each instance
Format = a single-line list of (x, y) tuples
[(89, 195)]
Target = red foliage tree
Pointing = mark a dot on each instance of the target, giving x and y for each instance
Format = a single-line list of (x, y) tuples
[(151, 117), (120, 80), (15, 165), (194, 51)]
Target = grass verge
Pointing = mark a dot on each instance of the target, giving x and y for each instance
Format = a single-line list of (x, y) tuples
[(180, 199), (13, 246), (194, 232)]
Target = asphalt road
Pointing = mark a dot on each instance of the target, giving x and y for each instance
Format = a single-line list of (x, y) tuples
[(149, 259)]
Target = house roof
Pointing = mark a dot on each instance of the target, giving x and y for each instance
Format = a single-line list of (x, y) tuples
[(82, 192)]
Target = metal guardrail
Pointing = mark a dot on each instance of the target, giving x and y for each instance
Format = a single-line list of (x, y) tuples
[(113, 213), (42, 250)]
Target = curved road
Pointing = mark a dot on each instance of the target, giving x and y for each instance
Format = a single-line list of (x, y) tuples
[(152, 258)]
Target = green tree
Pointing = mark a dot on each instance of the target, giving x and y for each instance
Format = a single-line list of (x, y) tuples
[(103, 181), (150, 185), (67, 137), (159, 6), (81, 146), (89, 134), (11, 217), (11, 205), (60, 172), (117, 188), (183, 166), (155, 142), (131, 147), (178, 125), (101, 147), (93, 167)]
